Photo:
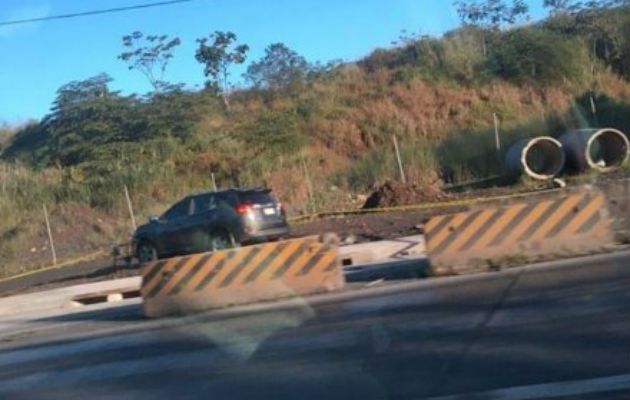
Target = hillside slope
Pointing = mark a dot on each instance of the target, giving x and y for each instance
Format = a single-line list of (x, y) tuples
[(331, 133)]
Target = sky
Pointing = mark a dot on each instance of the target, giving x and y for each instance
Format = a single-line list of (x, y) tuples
[(37, 58)]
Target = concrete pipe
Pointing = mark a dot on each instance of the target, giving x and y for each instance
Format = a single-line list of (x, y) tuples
[(539, 158), (600, 149)]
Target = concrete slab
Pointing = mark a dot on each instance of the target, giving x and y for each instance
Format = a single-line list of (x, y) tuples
[(63, 297), (373, 252)]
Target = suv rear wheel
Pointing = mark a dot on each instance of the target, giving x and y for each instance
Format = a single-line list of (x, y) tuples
[(221, 239), (146, 252)]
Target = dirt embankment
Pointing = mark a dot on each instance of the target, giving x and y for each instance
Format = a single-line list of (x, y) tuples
[(76, 230)]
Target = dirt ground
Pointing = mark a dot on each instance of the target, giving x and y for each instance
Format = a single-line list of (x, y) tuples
[(366, 227), (76, 228), (375, 225)]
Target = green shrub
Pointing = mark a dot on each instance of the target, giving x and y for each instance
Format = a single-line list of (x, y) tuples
[(380, 164), (605, 29), (462, 54), (273, 136), (466, 156), (534, 55), (609, 113)]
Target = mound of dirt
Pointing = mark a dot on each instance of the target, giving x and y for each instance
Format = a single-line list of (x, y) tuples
[(394, 193)]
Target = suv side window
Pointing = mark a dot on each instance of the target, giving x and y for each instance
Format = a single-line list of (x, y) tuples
[(177, 211), (203, 203)]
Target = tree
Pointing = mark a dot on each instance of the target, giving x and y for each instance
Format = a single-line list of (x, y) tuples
[(574, 6), (280, 68), (604, 25), (86, 115), (491, 14), (562, 6), (76, 92), (149, 55), (218, 53), (406, 38)]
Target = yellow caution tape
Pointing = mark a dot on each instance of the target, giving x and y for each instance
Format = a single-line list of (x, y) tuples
[(418, 206), (64, 264)]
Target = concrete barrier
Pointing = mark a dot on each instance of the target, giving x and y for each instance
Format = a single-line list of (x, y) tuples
[(570, 222), (617, 193), (242, 275)]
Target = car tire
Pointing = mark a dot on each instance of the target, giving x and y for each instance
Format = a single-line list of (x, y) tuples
[(146, 252), (221, 239)]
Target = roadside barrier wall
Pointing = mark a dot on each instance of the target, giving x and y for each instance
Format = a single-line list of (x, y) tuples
[(242, 275), (564, 223)]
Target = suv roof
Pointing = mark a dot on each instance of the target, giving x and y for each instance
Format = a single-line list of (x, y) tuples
[(230, 190)]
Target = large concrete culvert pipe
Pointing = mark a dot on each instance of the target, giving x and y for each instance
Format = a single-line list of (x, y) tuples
[(601, 149), (539, 158)]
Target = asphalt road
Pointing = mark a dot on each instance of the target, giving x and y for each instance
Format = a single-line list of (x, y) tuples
[(555, 331)]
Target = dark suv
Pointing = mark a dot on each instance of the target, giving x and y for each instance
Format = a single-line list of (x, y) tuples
[(211, 221)]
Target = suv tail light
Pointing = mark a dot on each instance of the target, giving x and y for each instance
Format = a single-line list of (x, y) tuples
[(280, 208), (244, 208)]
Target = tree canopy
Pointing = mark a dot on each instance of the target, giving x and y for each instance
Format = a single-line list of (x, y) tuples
[(491, 14), (218, 53), (149, 55), (280, 68)]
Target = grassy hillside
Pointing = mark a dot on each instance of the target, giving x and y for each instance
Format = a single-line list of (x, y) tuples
[(333, 129)]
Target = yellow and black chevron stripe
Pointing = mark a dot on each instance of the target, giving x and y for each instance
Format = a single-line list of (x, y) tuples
[(497, 227), (240, 267)]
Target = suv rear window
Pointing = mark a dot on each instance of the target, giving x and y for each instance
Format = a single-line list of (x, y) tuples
[(256, 197)]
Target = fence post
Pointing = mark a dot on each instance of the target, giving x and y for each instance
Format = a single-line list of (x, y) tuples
[(309, 186), (594, 109), (214, 182), (5, 176), (497, 139), (133, 218), (400, 166), (50, 238)]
